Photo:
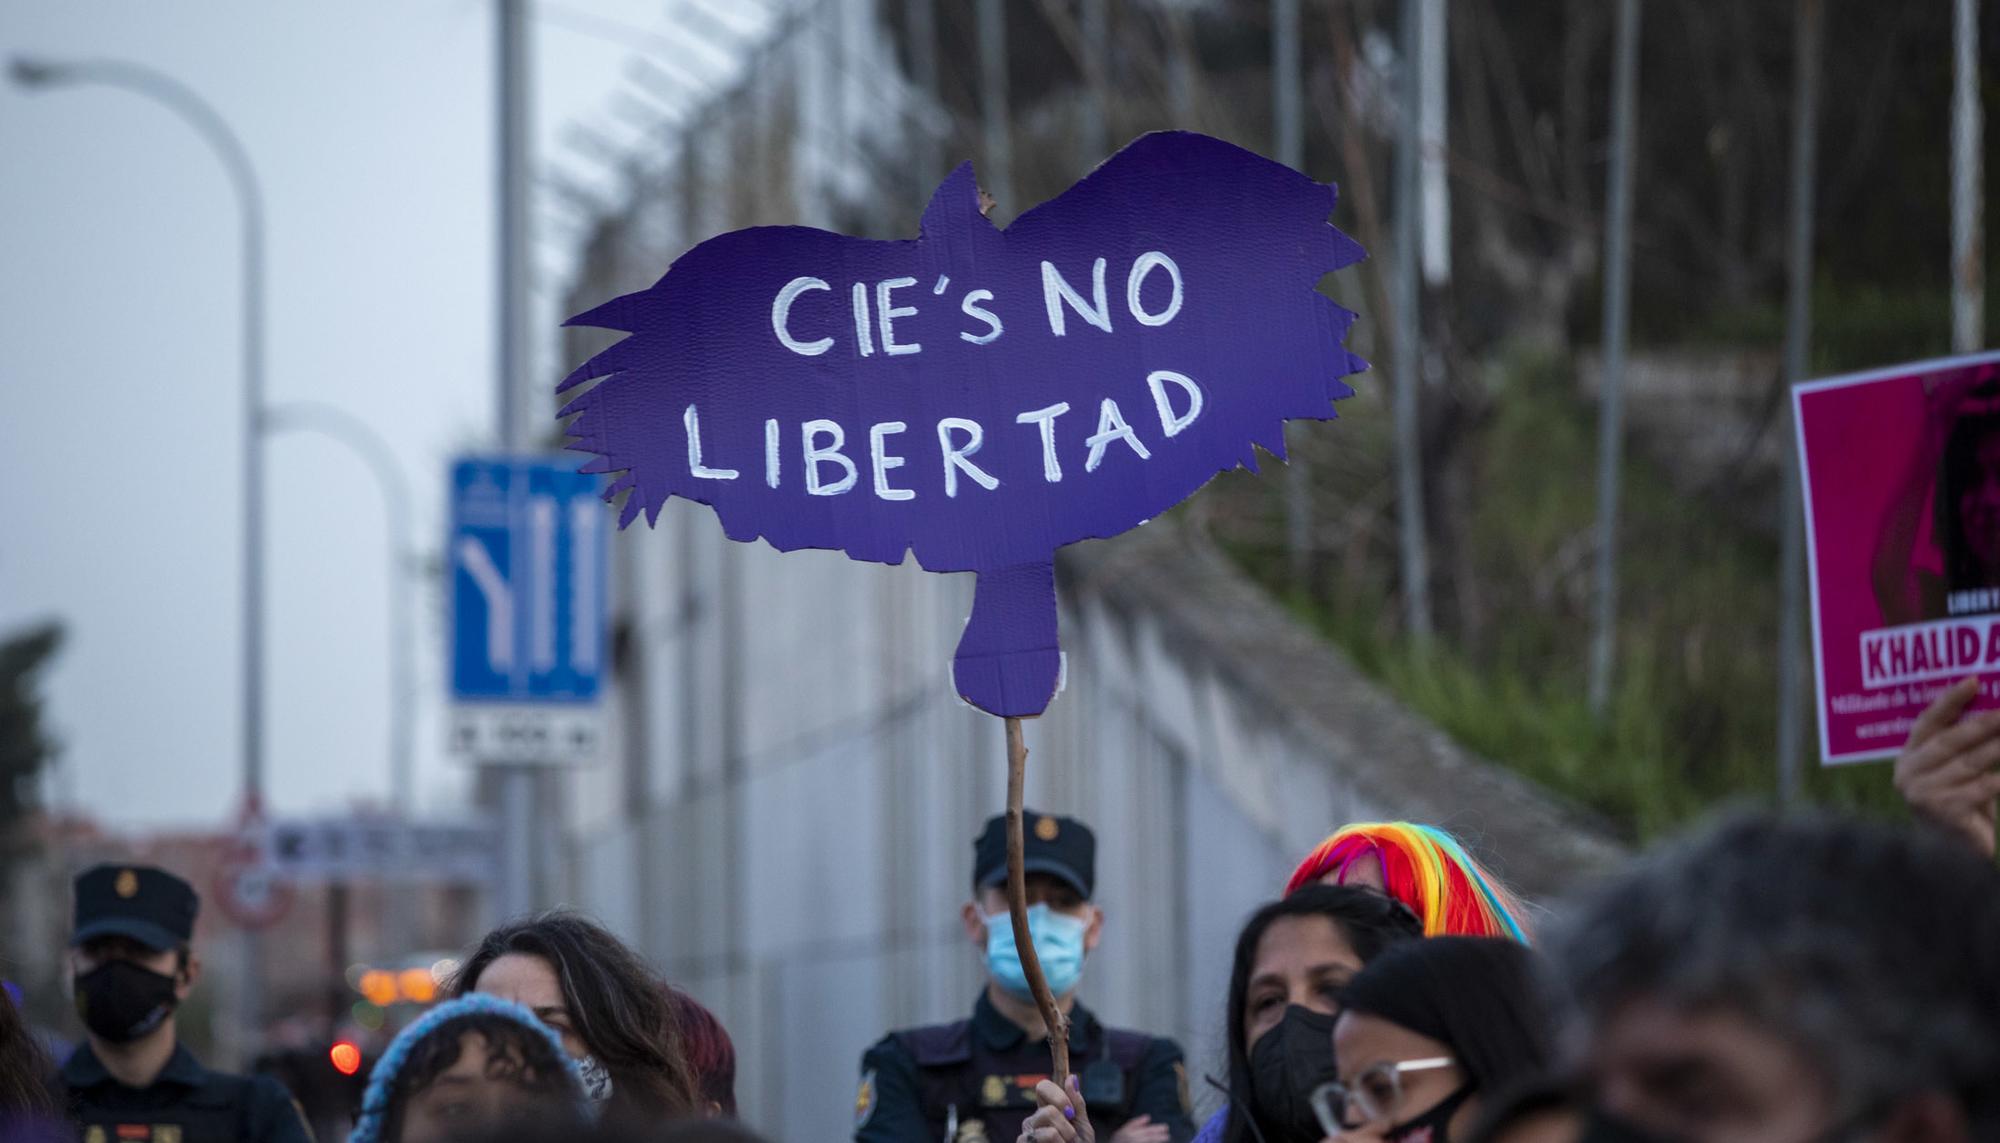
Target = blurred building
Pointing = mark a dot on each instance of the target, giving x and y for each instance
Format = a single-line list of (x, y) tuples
[(310, 988)]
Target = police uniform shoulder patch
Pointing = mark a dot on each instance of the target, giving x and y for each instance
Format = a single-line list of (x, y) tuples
[(127, 884), (864, 1100)]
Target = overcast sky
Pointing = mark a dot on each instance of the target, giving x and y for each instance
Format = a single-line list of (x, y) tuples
[(370, 123)]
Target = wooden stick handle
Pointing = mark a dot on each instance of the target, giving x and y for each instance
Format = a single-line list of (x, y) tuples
[(1017, 904)]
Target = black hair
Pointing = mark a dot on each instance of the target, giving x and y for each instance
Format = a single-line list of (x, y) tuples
[(622, 1013), (1369, 921), (515, 1053), (1481, 997), (1515, 1105), (25, 1071), (1867, 948), (678, 1131), (1960, 474)]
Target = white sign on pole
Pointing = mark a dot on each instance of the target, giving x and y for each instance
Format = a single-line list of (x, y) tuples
[(381, 849)]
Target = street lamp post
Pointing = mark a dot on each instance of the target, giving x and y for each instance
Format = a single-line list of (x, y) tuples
[(182, 101), (346, 429), (352, 432)]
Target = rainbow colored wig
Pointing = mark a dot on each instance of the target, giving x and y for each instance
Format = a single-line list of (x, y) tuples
[(1426, 869)]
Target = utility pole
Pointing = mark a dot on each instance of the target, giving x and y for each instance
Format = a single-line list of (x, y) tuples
[(921, 18), (1611, 395), (1408, 351), (215, 131), (515, 889), (1288, 128), (1434, 168), (1180, 70), (511, 75), (1968, 238), (993, 104), (1798, 332), (1097, 65)]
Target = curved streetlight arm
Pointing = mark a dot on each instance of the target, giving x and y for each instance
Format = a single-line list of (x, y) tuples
[(177, 97), (353, 432), (195, 111), (346, 429), (165, 90)]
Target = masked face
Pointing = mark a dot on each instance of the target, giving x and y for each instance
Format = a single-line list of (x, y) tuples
[(1434, 1125), (1059, 945), (596, 1079), (120, 1001), (1412, 1086), (1286, 1064)]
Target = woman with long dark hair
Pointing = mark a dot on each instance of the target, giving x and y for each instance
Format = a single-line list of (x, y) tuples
[(1293, 957), (614, 1017), (1428, 1031)]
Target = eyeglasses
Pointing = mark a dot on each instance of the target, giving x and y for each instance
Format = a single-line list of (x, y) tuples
[(1374, 1096)]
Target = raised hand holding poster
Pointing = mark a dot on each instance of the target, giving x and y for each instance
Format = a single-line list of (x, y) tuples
[(1901, 477), (979, 396)]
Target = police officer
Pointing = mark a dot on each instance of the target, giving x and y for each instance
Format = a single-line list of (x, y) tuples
[(974, 1080), (132, 1081)]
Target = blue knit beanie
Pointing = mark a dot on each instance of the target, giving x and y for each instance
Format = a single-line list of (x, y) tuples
[(375, 1101)]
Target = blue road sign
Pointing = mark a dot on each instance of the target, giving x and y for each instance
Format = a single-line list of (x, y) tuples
[(527, 551)]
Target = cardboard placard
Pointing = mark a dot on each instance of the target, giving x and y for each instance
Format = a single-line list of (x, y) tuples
[(978, 396), (1901, 477)]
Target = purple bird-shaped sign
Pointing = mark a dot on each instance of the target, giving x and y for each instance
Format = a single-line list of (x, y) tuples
[(979, 396)]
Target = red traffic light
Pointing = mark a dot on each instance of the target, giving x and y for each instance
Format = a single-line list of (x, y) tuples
[(346, 1058)]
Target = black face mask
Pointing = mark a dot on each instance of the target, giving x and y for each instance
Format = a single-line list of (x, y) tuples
[(1433, 1126), (1600, 1126), (120, 1001), (1286, 1064)]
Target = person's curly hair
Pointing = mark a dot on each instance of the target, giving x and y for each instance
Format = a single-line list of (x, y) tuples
[(520, 1050)]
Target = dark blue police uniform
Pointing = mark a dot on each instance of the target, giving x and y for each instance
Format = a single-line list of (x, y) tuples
[(187, 1103), (974, 1080)]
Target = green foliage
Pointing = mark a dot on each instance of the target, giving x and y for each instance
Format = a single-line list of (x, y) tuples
[(1691, 722), (24, 744)]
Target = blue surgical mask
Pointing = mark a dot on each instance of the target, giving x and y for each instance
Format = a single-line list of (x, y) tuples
[(1058, 941)]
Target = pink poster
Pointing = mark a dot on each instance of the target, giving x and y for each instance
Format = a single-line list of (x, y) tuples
[(1901, 471)]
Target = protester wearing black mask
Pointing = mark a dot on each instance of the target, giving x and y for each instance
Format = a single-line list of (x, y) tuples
[(1429, 1030), (1292, 960), (131, 966)]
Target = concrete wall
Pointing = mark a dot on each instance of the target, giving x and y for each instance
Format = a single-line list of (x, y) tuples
[(785, 826), (787, 830)]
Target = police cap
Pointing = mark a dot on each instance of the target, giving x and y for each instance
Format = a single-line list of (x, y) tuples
[(1058, 846), (147, 905)]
